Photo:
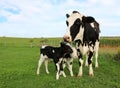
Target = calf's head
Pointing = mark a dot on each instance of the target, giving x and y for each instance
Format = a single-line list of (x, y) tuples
[(66, 48)]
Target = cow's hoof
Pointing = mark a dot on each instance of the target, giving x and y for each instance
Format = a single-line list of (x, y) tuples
[(72, 75), (37, 74), (91, 74), (96, 66), (79, 75)]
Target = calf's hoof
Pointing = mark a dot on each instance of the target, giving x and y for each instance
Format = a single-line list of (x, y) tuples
[(57, 78), (47, 72), (86, 65), (38, 73)]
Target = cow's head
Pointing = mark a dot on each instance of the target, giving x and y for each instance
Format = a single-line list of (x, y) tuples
[(74, 26)]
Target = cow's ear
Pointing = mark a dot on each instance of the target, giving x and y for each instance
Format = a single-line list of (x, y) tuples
[(88, 19), (67, 15), (83, 19)]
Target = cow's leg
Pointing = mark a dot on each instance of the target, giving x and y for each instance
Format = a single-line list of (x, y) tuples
[(96, 53), (90, 61), (42, 58), (70, 62), (85, 52), (86, 61), (46, 66), (80, 73), (96, 59)]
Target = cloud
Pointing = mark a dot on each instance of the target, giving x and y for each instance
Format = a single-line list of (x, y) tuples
[(12, 10), (32, 18), (102, 2), (3, 19)]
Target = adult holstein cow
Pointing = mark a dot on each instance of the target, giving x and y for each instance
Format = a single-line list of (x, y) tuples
[(84, 31)]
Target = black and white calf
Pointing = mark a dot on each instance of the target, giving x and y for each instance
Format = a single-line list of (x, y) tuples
[(57, 54), (84, 31)]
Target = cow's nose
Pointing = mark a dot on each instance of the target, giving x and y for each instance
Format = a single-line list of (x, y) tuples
[(67, 38)]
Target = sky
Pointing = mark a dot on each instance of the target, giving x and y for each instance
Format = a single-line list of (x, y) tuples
[(47, 18)]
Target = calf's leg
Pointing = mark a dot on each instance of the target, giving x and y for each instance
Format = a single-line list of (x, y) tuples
[(62, 66), (57, 62), (42, 58), (46, 66), (70, 62)]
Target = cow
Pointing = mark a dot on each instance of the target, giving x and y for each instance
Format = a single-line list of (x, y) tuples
[(58, 54), (84, 31)]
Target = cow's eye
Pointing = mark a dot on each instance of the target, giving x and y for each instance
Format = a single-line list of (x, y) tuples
[(67, 23)]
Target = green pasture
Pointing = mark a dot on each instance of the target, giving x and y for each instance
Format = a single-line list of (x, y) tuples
[(19, 58)]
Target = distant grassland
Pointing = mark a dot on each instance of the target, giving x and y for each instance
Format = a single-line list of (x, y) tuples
[(26, 42), (110, 41), (19, 58)]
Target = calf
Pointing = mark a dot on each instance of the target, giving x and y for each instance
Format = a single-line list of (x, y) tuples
[(68, 58), (57, 54)]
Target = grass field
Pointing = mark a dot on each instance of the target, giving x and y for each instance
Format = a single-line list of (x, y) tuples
[(18, 64)]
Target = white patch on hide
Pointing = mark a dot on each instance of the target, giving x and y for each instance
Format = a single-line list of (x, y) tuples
[(84, 49), (92, 24), (74, 53), (53, 51), (44, 46)]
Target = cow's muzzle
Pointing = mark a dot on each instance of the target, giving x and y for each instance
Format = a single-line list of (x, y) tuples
[(67, 38)]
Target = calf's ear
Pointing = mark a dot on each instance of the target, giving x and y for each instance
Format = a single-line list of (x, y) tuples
[(62, 43), (67, 15)]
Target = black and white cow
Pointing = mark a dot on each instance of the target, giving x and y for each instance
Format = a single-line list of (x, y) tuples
[(58, 54), (84, 31)]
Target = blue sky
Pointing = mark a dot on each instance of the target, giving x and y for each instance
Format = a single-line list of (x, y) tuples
[(46, 18)]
